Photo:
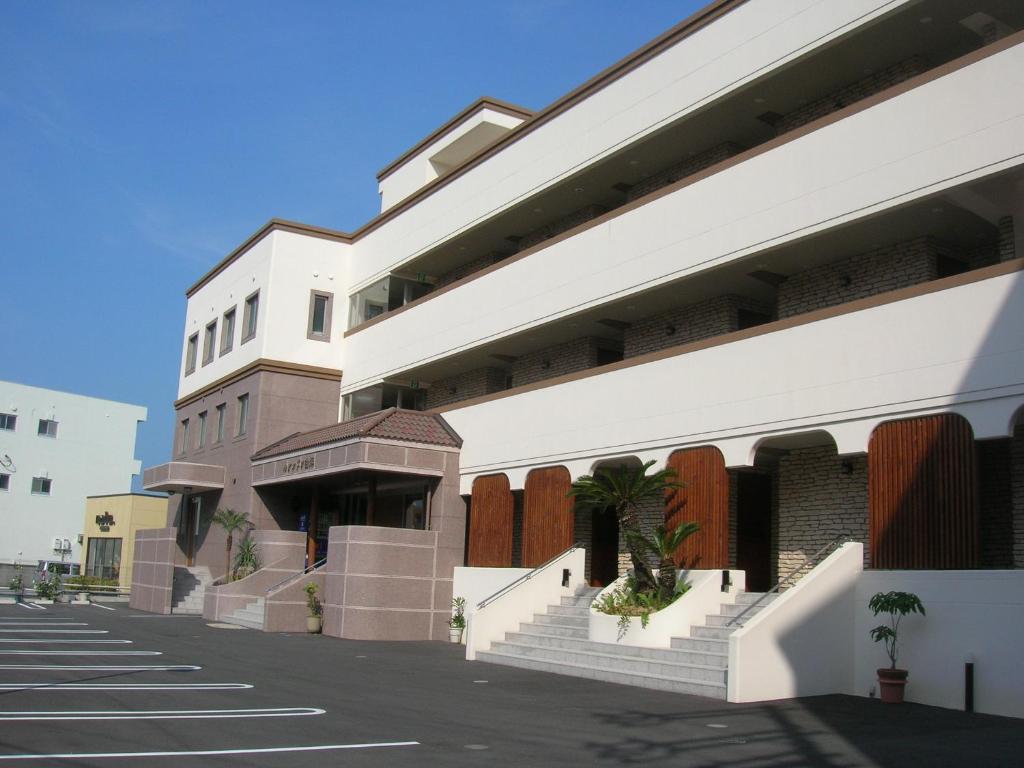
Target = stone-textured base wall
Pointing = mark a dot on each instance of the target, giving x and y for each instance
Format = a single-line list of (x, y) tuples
[(463, 386), (1017, 489), (685, 324), (286, 609), (817, 501), (383, 584), (682, 169), (153, 570), (576, 355)]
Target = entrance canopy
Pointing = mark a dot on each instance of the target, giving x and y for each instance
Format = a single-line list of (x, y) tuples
[(392, 440)]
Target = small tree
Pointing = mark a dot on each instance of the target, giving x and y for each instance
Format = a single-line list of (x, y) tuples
[(313, 603), (232, 522), (897, 605), (625, 488), (664, 544)]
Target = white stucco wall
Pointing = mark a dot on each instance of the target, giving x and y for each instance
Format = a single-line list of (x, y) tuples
[(944, 134), (971, 616), (283, 266), (93, 454)]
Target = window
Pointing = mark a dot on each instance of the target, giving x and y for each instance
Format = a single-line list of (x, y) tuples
[(5, 482), (243, 414), (209, 340), (319, 327), (104, 558), (227, 331), (220, 421), (190, 353), (183, 445), (252, 308), (41, 486), (202, 430), (8, 421), (372, 310), (47, 428)]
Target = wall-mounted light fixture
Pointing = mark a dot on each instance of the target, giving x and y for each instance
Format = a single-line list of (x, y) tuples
[(670, 330), (545, 363), (847, 467)]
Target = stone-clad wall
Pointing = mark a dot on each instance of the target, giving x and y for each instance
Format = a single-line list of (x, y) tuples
[(571, 356), (463, 386), (153, 570), (468, 268), (857, 277), (563, 224), (1017, 487), (682, 169), (853, 92), (680, 325), (818, 501)]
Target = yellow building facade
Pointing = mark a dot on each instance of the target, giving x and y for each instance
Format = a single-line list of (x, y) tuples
[(109, 533)]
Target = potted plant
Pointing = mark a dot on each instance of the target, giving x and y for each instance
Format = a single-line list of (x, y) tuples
[(247, 560), (316, 609), (891, 681), (457, 623), (17, 585), (48, 587)]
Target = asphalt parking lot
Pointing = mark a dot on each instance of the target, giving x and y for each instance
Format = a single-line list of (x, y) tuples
[(88, 686)]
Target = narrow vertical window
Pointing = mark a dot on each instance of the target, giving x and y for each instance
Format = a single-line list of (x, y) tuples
[(209, 341), (252, 308), (243, 414), (191, 349), (183, 445), (220, 422), (319, 325), (227, 332), (202, 430)]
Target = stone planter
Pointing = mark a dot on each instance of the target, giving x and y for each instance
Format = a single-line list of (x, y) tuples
[(455, 634)]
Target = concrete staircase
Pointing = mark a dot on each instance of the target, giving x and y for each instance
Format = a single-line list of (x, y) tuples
[(189, 588), (251, 616), (556, 641)]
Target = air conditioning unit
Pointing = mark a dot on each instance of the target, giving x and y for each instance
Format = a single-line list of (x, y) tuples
[(56, 545)]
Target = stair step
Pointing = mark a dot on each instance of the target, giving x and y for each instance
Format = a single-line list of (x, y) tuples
[(553, 629), (578, 600), (613, 661), (714, 658), (730, 622), (562, 621), (701, 645), (748, 598), (741, 609), (577, 611), (712, 633), (242, 621), (639, 679)]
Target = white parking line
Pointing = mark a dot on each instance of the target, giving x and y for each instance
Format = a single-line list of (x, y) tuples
[(104, 607), (106, 668), (163, 714), (42, 623), (32, 606), (44, 687), (33, 618), (210, 752), (30, 652), (6, 631), (58, 641)]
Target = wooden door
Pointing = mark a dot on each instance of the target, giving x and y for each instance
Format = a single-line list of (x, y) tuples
[(490, 523), (704, 499), (548, 520), (922, 494)]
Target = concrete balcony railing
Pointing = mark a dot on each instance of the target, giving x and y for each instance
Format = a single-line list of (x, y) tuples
[(183, 477), (948, 129)]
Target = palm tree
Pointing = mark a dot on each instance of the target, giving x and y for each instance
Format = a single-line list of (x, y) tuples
[(232, 522), (625, 488), (664, 544)]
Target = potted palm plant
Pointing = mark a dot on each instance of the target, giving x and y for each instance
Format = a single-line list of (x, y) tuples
[(457, 623), (891, 681), (314, 621)]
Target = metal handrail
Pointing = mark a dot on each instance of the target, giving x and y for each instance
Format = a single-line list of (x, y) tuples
[(526, 576), (815, 559), (296, 576)]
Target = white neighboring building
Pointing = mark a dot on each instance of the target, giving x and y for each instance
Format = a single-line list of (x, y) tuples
[(56, 448)]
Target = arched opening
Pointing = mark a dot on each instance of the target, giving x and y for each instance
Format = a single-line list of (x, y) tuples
[(703, 499), (599, 529), (548, 524)]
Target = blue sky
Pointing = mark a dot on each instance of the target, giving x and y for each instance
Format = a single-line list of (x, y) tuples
[(140, 142)]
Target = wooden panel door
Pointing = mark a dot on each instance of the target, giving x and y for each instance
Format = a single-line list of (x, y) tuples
[(703, 500), (922, 494), (548, 519), (490, 523)]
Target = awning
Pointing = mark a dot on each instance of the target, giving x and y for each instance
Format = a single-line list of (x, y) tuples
[(183, 477)]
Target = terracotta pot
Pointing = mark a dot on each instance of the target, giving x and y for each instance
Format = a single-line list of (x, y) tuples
[(313, 624), (891, 683)]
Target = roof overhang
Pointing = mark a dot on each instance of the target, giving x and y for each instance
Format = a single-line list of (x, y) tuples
[(183, 477)]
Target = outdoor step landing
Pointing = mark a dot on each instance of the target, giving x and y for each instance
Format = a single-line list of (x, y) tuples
[(715, 658), (701, 645), (553, 629), (562, 621)]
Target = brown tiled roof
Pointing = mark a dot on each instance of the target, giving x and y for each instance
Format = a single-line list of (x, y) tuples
[(390, 424)]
